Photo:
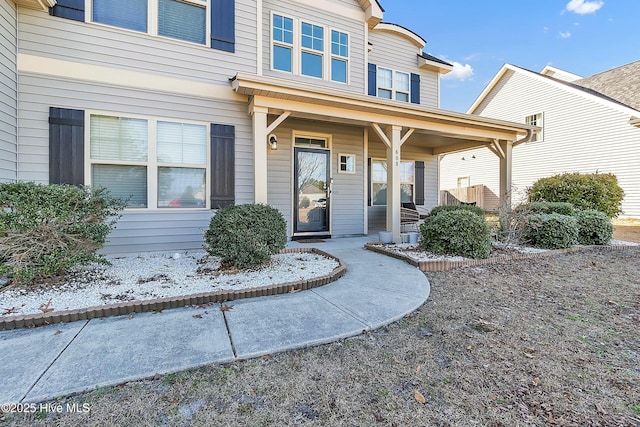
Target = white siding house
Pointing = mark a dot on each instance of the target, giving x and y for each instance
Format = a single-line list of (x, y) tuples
[(587, 127), (180, 106)]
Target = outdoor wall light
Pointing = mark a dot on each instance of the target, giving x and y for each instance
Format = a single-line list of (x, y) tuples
[(273, 142)]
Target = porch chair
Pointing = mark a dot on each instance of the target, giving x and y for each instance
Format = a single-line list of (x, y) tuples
[(409, 217)]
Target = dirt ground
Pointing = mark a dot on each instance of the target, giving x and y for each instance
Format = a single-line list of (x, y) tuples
[(553, 341)]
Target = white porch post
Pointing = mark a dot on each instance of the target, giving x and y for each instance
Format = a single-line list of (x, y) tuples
[(259, 117), (393, 182), (506, 150)]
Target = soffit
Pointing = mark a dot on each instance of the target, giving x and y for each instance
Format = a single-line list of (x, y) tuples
[(312, 102)]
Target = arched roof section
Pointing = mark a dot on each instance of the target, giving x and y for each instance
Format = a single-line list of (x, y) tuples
[(403, 32)]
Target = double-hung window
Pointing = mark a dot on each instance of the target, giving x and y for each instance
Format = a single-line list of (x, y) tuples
[(312, 50), (379, 182), (178, 19), (339, 56), (282, 43), (393, 84), (304, 48), (150, 162)]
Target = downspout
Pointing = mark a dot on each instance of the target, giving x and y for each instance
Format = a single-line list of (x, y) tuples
[(527, 138)]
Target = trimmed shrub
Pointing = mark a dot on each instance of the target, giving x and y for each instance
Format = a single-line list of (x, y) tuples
[(584, 191), (448, 208), (551, 231), (594, 227), (562, 208), (245, 236), (457, 232), (47, 229)]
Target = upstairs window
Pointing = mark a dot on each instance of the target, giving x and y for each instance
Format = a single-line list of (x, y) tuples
[(339, 56), (312, 51), (282, 43), (535, 120), (394, 84), (183, 20), (303, 48), (129, 14)]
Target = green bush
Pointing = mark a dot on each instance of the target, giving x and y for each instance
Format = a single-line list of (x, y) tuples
[(457, 232), (584, 191), (562, 208), (47, 229), (551, 231), (246, 236), (594, 227), (448, 208)]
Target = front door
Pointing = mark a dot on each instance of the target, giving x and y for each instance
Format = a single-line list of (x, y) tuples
[(311, 191)]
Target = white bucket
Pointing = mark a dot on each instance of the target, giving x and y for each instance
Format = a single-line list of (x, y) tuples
[(386, 236), (413, 237)]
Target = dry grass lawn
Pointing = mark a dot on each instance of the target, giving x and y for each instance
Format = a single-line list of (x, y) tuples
[(547, 342)]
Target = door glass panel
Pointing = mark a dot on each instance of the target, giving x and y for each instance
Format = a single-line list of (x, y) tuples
[(312, 195)]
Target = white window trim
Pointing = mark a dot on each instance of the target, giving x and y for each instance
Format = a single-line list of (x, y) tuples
[(393, 89), (539, 136), (152, 22), (340, 156), (274, 42), (297, 49), (152, 164), (413, 182), (312, 51), (338, 56)]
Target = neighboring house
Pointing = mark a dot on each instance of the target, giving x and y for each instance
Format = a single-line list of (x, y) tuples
[(588, 125), (179, 104)]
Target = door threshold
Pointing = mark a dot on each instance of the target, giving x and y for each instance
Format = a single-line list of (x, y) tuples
[(310, 236)]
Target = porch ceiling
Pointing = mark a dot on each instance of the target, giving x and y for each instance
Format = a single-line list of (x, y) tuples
[(439, 130)]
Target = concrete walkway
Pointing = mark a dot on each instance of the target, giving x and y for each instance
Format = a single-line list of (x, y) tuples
[(46, 362)]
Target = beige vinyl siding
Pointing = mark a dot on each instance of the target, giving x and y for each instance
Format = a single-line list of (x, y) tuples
[(377, 150), (347, 199), (8, 91), (397, 53), (581, 134), (296, 10), (44, 35), (150, 230), (429, 88)]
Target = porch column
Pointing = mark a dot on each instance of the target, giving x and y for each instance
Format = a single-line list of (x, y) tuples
[(259, 117), (393, 182), (506, 150)]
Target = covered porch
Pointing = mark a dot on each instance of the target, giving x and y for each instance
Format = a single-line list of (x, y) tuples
[(388, 129)]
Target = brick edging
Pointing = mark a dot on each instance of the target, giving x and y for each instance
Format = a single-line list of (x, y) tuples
[(442, 265), (130, 307)]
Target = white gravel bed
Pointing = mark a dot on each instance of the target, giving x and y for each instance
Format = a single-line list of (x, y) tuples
[(623, 243), (152, 276), (415, 252)]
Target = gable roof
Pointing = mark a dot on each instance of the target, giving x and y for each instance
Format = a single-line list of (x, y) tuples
[(621, 83), (574, 87)]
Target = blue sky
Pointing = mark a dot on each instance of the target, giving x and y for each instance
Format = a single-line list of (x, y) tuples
[(583, 37)]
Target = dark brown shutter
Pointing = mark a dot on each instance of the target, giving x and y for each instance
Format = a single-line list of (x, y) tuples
[(223, 172), (419, 184), (66, 146)]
